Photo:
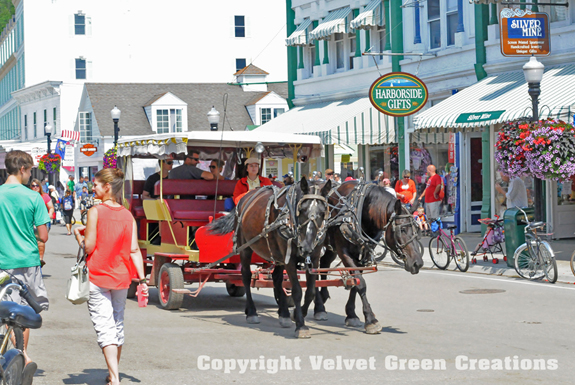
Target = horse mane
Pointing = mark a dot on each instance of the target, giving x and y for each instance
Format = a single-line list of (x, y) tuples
[(378, 205)]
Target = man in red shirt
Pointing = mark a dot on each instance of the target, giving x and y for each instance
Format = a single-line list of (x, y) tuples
[(432, 189)]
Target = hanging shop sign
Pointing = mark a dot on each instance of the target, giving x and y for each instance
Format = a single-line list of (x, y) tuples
[(451, 148), (475, 117), (88, 149), (524, 33), (398, 94)]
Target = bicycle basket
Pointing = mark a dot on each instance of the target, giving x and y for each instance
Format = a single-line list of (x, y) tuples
[(435, 226)]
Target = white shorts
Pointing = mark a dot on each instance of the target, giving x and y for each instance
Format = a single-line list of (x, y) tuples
[(432, 209), (32, 277), (106, 309)]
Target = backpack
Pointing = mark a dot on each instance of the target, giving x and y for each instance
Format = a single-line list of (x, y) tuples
[(90, 186), (68, 203)]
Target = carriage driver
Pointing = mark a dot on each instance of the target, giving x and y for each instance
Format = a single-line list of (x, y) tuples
[(250, 182)]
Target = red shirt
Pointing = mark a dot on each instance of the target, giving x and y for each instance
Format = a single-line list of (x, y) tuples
[(243, 187), (47, 199), (430, 189), (408, 192), (109, 265)]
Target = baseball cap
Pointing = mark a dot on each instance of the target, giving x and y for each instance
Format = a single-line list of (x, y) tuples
[(251, 160), (328, 171)]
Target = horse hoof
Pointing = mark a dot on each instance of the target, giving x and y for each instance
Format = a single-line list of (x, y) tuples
[(320, 316), (253, 319), (354, 322), (302, 333), (285, 322), (373, 328)]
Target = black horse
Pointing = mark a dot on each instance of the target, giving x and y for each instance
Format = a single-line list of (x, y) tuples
[(293, 222), (361, 215)]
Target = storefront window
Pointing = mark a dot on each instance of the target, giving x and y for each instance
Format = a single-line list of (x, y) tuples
[(566, 192)]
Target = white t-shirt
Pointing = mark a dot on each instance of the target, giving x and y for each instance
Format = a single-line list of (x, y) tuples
[(516, 194)]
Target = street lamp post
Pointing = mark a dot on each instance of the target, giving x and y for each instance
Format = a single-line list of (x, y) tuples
[(213, 118), (533, 71), (116, 118), (48, 131)]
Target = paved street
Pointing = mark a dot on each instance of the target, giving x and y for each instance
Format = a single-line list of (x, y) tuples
[(447, 317)]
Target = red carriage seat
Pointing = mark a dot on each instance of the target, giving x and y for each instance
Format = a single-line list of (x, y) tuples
[(136, 202)]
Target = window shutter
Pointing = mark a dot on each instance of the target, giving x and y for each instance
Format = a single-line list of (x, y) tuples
[(89, 70), (88, 26), (248, 23), (71, 25)]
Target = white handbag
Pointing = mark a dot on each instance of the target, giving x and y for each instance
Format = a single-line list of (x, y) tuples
[(78, 290)]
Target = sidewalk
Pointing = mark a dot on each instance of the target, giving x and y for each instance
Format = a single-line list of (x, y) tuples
[(562, 248)]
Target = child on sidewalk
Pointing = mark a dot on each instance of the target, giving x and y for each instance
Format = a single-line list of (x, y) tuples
[(421, 219)]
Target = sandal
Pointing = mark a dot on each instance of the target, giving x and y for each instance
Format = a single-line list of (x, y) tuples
[(28, 373)]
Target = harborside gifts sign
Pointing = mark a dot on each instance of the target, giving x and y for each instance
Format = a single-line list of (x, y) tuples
[(524, 33), (398, 94)]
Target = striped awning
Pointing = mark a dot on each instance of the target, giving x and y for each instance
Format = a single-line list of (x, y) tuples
[(371, 16), (299, 36), (335, 22), (503, 97), (348, 121)]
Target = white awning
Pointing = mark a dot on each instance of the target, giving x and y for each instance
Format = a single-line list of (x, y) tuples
[(299, 36), (503, 97), (371, 16), (335, 22), (348, 121)]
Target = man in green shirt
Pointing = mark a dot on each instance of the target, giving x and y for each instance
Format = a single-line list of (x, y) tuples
[(71, 184), (20, 210)]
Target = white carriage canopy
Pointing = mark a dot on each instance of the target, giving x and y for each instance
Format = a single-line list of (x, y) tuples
[(500, 98), (348, 121)]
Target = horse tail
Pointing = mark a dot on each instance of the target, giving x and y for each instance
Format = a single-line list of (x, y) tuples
[(223, 225)]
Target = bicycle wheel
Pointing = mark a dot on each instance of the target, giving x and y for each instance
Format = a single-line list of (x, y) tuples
[(526, 264), (439, 253), (396, 258), (549, 262), (14, 342), (573, 263), (13, 367), (85, 217), (461, 256)]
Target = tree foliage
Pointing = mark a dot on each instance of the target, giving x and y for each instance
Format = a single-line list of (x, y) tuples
[(6, 12)]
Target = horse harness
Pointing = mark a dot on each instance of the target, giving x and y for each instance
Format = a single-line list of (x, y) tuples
[(349, 220), (287, 220)]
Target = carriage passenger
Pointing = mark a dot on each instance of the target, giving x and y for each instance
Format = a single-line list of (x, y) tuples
[(250, 182), (189, 169), (166, 165), (216, 168)]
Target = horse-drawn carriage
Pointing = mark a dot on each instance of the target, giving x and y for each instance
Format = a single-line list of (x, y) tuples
[(272, 228)]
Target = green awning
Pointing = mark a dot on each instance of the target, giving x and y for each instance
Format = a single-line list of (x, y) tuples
[(501, 98), (299, 36), (371, 16), (335, 22)]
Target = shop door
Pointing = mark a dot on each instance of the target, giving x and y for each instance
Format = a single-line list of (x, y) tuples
[(474, 190)]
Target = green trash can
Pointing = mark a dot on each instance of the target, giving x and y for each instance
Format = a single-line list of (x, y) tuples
[(514, 226)]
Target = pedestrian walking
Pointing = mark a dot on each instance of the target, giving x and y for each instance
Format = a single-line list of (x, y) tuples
[(20, 210), (111, 242), (432, 193), (68, 209), (37, 186), (516, 193), (406, 189)]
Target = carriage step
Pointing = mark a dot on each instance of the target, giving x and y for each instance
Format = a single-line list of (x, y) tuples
[(182, 291)]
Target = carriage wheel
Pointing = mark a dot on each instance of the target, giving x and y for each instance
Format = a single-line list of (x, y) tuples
[(235, 291), (171, 277), (132, 289)]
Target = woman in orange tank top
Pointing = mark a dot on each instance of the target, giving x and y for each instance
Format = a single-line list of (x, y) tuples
[(110, 238)]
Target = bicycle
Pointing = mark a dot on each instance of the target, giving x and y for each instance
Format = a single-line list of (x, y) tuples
[(394, 256), (443, 248), (14, 319), (535, 258), (492, 241)]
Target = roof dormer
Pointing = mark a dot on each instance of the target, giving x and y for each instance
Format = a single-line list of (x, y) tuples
[(167, 113)]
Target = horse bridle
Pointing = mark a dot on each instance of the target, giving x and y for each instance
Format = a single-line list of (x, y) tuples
[(313, 218), (396, 229)]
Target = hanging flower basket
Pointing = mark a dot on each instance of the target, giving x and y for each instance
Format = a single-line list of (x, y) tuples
[(545, 149), (550, 150), (50, 163), (110, 158)]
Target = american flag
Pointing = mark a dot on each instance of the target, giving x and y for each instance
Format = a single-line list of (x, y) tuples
[(72, 135)]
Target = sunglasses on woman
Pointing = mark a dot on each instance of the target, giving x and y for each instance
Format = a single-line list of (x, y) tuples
[(169, 162), (212, 166), (34, 186)]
